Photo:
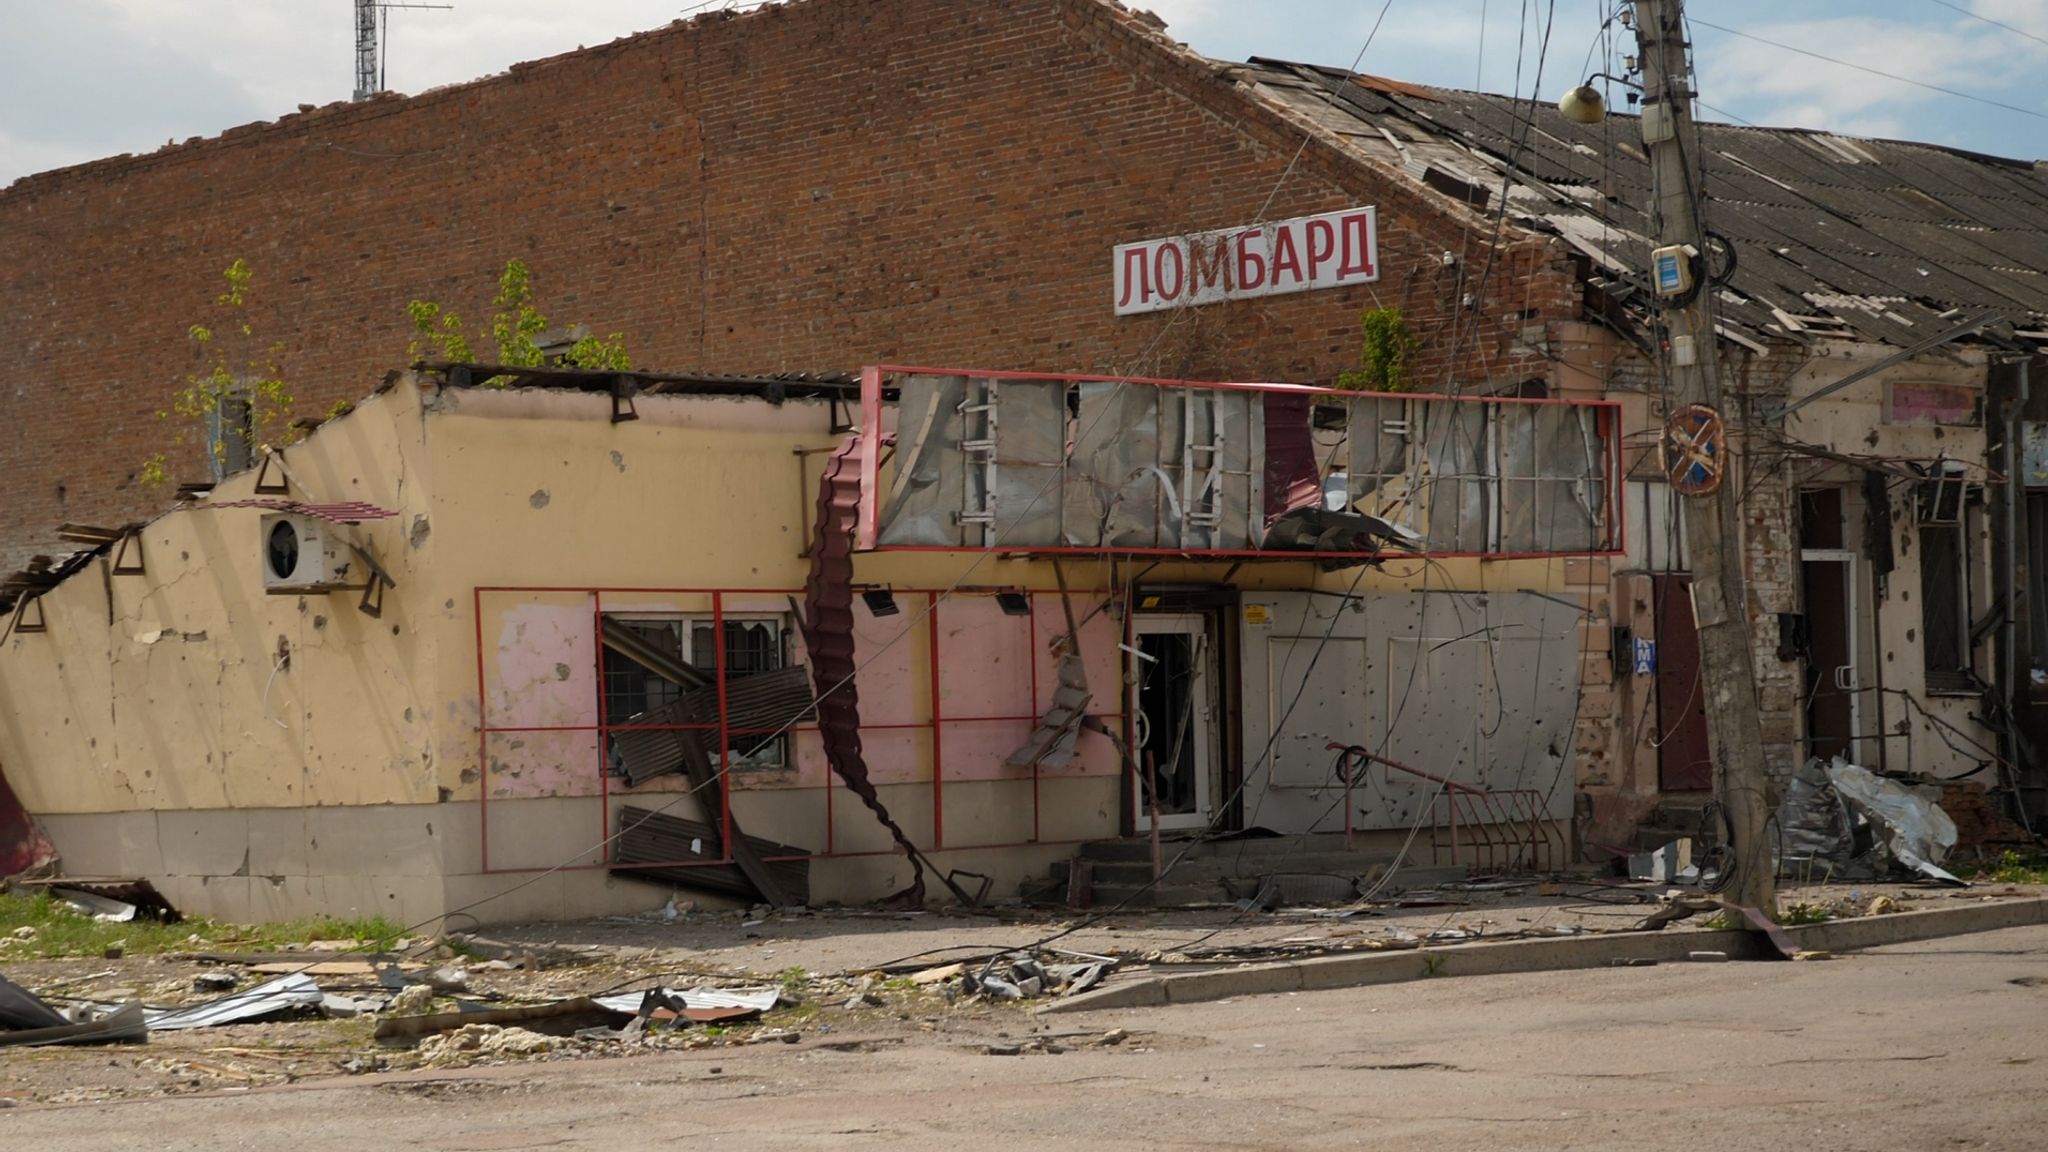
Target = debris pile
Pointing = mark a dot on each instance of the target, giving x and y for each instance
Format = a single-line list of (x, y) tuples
[(1844, 822), (474, 1042), (1021, 976)]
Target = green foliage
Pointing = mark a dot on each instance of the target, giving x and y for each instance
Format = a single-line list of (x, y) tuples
[(1801, 912), (239, 366), (795, 982), (60, 930), (2016, 869), (515, 323), (1388, 347), (439, 330)]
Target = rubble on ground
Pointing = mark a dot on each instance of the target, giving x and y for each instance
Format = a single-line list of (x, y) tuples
[(478, 1042)]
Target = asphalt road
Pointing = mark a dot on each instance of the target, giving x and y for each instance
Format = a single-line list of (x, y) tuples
[(1936, 1045)]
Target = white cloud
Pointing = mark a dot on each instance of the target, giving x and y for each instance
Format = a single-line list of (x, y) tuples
[(1771, 85)]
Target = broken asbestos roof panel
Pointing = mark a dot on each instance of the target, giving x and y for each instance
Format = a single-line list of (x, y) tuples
[(1838, 215)]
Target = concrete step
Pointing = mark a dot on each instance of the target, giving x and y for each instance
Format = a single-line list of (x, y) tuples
[(1164, 896), (1140, 847)]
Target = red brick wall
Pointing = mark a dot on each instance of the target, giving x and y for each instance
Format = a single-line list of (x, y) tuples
[(812, 186)]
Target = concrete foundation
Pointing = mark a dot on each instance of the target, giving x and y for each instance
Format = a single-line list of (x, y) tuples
[(417, 863)]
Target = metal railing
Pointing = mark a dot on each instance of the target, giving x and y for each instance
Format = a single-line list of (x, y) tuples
[(1502, 830)]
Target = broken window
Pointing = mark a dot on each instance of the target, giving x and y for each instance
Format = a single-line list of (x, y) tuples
[(1484, 478), (231, 434), (754, 647), (1116, 464), (1944, 585)]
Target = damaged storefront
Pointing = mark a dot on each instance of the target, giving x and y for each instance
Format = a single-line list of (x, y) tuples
[(572, 641)]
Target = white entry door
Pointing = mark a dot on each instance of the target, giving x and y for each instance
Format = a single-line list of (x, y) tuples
[(1173, 713)]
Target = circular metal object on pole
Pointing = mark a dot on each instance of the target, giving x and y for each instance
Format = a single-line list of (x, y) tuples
[(1695, 450)]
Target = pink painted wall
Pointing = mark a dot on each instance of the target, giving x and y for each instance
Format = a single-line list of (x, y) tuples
[(540, 671)]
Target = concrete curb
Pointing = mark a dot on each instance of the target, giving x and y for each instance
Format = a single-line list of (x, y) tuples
[(1356, 969)]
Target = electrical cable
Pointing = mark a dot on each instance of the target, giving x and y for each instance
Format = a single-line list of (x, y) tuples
[(1988, 20), (1874, 71), (909, 625)]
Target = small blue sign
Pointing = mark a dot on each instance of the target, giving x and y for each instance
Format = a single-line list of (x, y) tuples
[(1646, 657), (1670, 277)]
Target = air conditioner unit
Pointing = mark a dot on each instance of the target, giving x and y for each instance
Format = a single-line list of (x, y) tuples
[(302, 554)]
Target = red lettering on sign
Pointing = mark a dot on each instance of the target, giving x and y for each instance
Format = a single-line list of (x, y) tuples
[(1358, 246), (1170, 248), (1320, 254), (1208, 273), (1136, 272), (1286, 256), (1251, 266)]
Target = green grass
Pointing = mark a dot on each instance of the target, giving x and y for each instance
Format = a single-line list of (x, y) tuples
[(795, 982), (2012, 868), (61, 931), (1801, 912)]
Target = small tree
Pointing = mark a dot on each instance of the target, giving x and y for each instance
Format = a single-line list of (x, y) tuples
[(513, 328), (1385, 354), (240, 402)]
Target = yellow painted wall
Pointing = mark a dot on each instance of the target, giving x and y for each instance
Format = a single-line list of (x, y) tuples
[(182, 702)]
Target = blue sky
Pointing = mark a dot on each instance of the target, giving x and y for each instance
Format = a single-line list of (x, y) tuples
[(90, 78)]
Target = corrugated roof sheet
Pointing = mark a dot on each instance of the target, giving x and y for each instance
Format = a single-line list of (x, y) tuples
[(1884, 236)]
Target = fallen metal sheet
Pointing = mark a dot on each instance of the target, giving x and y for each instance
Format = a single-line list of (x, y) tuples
[(648, 840), (21, 1009), (141, 893), (1917, 832), (280, 995), (760, 1000), (124, 1025), (98, 907), (561, 1018), (1817, 831)]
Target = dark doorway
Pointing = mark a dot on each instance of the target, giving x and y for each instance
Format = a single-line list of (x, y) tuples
[(1683, 762), (1174, 720), (1831, 654)]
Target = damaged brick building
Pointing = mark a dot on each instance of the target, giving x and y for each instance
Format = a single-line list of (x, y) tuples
[(822, 185)]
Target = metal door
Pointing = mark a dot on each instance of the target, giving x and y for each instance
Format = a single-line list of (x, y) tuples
[(1684, 763), (1173, 720)]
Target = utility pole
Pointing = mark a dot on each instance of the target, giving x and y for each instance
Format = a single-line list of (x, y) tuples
[(369, 75), (1697, 452), (366, 49)]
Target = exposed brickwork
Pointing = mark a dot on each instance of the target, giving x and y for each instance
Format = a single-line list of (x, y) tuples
[(1982, 831), (1770, 543), (810, 186)]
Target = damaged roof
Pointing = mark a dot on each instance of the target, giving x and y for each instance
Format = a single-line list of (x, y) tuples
[(774, 388), (1835, 236)]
